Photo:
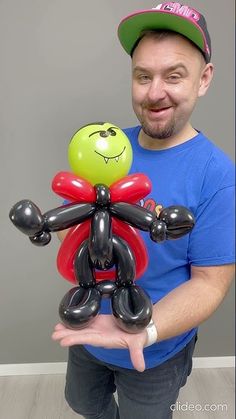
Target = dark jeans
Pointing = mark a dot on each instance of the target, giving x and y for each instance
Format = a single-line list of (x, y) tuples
[(90, 385)]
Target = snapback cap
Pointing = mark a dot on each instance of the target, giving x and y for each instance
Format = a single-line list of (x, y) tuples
[(171, 16)]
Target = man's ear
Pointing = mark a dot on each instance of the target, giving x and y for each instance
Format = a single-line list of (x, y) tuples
[(205, 80)]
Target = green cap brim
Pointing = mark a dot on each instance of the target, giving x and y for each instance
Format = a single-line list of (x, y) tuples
[(130, 28)]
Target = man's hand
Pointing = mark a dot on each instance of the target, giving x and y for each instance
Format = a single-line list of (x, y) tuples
[(104, 332)]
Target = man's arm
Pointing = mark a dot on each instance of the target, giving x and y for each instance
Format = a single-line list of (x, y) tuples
[(182, 309), (62, 234), (190, 304)]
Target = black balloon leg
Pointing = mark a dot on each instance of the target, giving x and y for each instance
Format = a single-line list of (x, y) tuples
[(100, 240), (131, 305), (84, 271), (124, 262)]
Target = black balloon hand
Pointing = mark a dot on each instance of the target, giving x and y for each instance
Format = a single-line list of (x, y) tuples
[(27, 217), (173, 222)]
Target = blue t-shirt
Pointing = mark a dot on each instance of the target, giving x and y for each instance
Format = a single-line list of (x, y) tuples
[(199, 176)]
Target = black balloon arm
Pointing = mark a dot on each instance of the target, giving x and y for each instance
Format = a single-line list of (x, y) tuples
[(172, 223), (134, 215), (140, 218), (67, 216), (59, 219), (27, 217)]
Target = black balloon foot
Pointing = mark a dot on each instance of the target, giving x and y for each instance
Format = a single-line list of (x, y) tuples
[(79, 307), (132, 308)]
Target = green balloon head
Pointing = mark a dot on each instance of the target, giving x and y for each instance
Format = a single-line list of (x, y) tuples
[(100, 153)]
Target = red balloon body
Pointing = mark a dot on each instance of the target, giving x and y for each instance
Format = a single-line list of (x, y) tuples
[(73, 188), (129, 189), (79, 233)]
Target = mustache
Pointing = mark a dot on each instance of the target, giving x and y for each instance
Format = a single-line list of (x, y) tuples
[(157, 105)]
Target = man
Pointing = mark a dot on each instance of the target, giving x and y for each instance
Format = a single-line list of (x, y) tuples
[(187, 279)]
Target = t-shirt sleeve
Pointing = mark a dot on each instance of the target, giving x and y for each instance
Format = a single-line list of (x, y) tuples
[(212, 240)]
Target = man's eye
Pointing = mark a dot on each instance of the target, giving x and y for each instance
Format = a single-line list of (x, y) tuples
[(174, 77), (143, 78)]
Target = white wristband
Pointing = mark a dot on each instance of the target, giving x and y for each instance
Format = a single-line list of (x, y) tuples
[(152, 335)]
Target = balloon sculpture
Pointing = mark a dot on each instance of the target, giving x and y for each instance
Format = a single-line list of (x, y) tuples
[(103, 252)]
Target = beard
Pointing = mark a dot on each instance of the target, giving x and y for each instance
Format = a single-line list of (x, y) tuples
[(158, 130), (159, 133)]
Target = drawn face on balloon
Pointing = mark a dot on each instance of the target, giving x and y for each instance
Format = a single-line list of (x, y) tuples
[(100, 153)]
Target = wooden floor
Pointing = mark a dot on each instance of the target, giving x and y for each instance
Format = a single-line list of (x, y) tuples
[(209, 394)]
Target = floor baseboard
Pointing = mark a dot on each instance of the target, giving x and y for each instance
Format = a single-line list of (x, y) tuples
[(60, 367), (214, 362)]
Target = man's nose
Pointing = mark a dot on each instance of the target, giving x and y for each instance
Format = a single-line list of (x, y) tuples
[(156, 91)]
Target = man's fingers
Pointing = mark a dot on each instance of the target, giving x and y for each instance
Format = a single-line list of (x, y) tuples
[(69, 337), (59, 326), (63, 333), (103, 336), (137, 358)]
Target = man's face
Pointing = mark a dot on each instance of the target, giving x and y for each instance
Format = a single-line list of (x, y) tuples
[(166, 82)]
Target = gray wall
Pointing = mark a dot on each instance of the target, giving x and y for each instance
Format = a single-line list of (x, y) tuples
[(62, 67)]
